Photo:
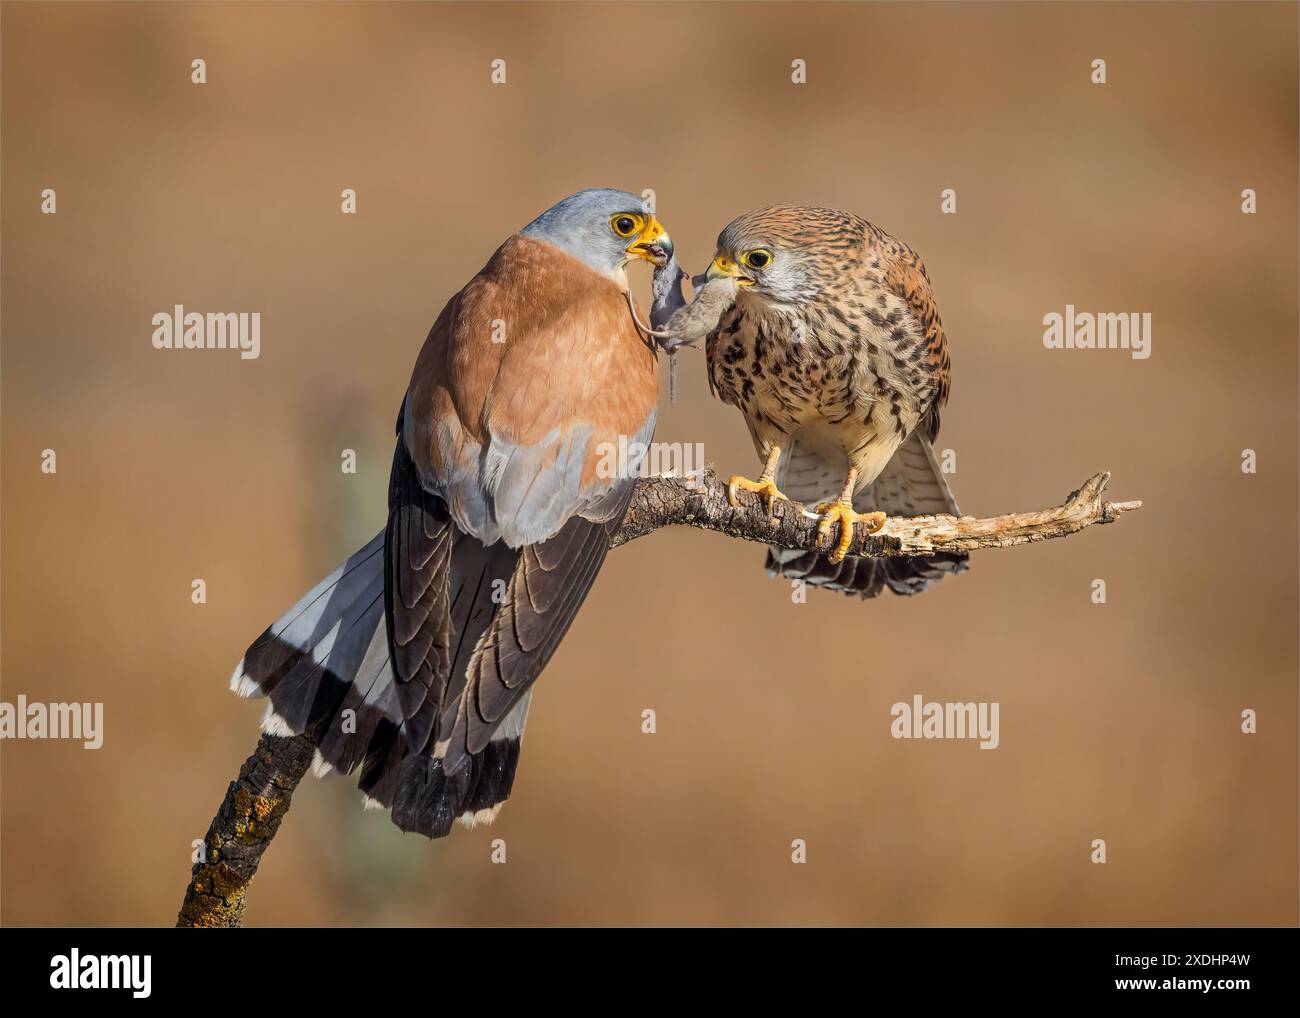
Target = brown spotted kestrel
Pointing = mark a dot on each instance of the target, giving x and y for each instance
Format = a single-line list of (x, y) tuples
[(835, 355)]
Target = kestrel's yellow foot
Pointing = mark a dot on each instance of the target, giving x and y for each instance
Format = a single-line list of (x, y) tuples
[(841, 511), (764, 486)]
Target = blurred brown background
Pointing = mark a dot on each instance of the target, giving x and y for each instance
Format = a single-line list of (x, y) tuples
[(1119, 721)]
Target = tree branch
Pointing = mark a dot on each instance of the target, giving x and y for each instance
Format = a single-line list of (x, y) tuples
[(667, 501), (255, 804), (243, 828)]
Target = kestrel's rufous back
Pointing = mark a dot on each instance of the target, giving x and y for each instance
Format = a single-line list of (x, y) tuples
[(835, 355)]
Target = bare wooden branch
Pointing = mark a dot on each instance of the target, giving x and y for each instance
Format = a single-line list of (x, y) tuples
[(702, 502), (255, 804), (248, 819)]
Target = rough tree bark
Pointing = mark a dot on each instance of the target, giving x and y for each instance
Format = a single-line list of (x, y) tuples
[(255, 804)]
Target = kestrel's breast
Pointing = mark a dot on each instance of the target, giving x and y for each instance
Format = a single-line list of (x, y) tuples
[(756, 365), (839, 375)]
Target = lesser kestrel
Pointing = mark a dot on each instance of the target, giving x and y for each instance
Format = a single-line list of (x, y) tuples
[(415, 660)]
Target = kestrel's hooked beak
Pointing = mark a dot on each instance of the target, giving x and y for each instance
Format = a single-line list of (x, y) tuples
[(723, 267), (654, 244)]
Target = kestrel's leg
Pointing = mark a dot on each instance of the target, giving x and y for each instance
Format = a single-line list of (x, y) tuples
[(841, 510), (765, 485)]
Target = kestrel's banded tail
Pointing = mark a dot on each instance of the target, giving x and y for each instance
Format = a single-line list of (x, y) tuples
[(327, 659), (414, 661)]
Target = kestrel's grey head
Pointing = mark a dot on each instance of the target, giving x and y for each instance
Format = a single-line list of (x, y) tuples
[(786, 254), (604, 228)]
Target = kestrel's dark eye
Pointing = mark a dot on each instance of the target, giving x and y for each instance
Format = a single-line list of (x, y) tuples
[(757, 259), (625, 225)]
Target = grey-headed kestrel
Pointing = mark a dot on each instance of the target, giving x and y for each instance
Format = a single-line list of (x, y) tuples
[(414, 661), (835, 355)]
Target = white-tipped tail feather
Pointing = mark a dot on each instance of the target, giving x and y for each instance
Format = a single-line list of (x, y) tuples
[(325, 667)]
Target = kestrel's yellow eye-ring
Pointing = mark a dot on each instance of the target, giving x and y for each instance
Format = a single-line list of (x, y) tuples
[(626, 224), (759, 258)]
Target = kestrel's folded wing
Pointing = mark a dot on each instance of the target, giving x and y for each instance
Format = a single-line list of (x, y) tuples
[(467, 772), (904, 273)]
